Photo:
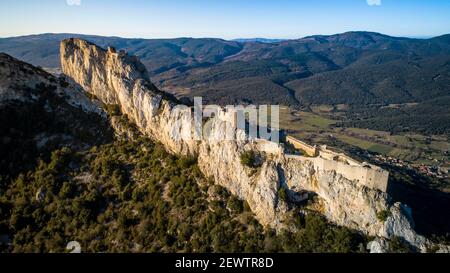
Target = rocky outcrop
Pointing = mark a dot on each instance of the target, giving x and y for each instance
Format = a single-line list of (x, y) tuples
[(117, 78), (22, 82)]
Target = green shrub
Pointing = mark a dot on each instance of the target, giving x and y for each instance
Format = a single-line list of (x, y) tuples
[(60, 158), (399, 245), (248, 158), (282, 194), (186, 162), (235, 205), (383, 215), (113, 110)]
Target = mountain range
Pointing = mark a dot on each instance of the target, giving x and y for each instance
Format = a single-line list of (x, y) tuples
[(359, 69), (353, 67)]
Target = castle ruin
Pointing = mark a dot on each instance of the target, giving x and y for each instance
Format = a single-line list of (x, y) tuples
[(325, 159)]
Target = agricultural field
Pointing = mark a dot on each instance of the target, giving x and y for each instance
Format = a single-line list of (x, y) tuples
[(320, 125)]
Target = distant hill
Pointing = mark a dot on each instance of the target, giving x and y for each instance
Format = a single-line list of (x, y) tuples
[(258, 40), (158, 55), (355, 68)]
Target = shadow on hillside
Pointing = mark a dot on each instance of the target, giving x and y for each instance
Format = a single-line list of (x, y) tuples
[(430, 207)]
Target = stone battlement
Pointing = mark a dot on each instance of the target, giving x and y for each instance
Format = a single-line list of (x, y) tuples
[(300, 145), (326, 160)]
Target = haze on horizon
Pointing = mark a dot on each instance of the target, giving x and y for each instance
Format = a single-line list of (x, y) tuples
[(230, 19)]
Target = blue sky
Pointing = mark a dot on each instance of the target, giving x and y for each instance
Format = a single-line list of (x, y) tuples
[(224, 18)]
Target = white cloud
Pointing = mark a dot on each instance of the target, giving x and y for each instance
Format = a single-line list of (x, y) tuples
[(374, 2), (73, 2)]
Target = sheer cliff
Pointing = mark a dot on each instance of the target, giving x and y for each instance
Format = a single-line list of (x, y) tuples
[(120, 79)]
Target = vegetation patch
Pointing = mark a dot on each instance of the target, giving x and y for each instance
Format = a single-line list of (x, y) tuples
[(399, 245), (383, 215), (113, 110), (132, 196), (250, 159), (282, 194)]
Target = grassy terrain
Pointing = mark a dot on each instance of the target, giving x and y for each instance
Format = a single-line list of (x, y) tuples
[(302, 123), (367, 145), (319, 125)]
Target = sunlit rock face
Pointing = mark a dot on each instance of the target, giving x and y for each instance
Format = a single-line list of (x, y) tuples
[(117, 78)]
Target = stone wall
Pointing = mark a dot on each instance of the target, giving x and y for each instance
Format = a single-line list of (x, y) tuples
[(310, 150), (327, 160), (373, 178)]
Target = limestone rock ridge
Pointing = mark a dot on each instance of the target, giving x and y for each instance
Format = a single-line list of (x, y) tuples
[(118, 78)]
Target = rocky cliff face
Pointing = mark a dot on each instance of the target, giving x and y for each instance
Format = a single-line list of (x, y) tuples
[(117, 78)]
